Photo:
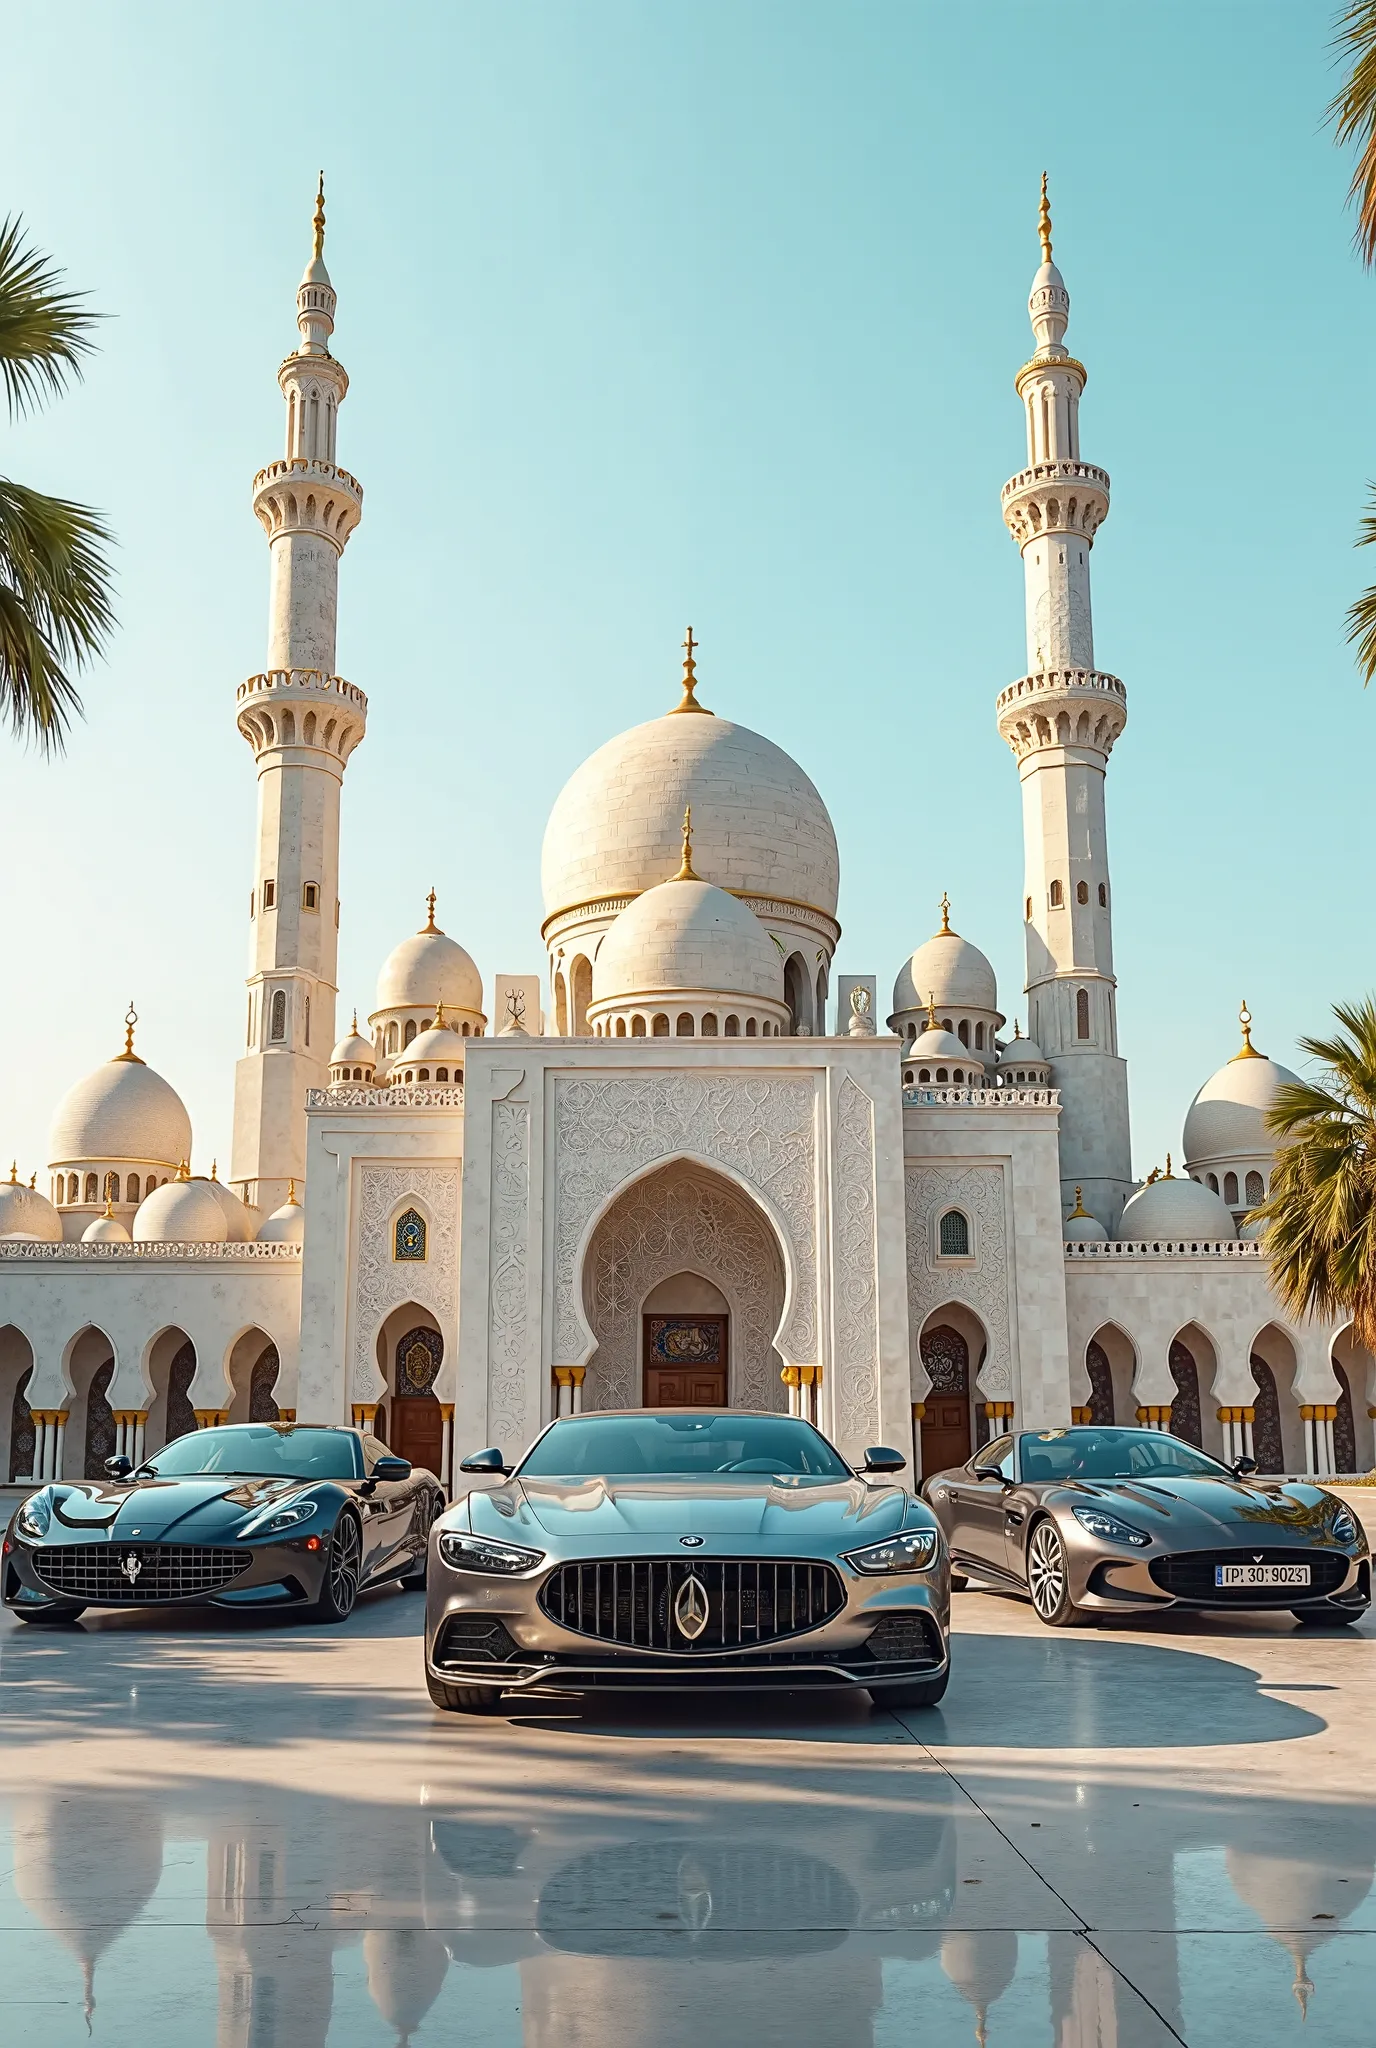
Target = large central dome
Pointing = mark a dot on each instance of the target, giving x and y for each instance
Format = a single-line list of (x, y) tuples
[(759, 826)]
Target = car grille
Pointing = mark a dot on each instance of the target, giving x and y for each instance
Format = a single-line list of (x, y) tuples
[(1190, 1576), (749, 1600), (103, 1572)]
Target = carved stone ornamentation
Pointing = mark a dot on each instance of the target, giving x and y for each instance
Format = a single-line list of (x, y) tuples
[(683, 1220), (978, 1191), (381, 1282), (510, 1375), (609, 1129), (856, 1369)]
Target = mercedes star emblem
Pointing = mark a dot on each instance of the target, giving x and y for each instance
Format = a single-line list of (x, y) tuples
[(690, 1608), (691, 1542), (132, 1566)]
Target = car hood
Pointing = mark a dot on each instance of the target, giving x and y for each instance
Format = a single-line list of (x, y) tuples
[(802, 1514), (1241, 1509), (202, 1508)]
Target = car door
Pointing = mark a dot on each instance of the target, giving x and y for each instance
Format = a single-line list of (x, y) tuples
[(386, 1510), (977, 1507)]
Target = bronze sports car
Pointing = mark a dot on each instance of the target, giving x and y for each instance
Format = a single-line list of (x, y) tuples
[(1129, 1520), (685, 1549)]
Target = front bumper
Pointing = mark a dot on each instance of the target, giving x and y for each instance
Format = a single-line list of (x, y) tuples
[(276, 1574), (494, 1632), (1110, 1583)]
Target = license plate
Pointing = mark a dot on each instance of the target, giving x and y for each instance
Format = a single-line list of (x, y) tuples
[(1261, 1575)]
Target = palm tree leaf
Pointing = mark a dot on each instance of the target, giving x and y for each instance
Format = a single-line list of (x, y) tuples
[(55, 608), (44, 330), (1353, 114)]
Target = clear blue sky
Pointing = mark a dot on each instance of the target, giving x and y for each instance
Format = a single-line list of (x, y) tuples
[(658, 313)]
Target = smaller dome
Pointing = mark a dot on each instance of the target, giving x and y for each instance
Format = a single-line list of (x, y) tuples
[(105, 1230), (936, 1044), (1227, 1119), (686, 936), (1082, 1228), (440, 1043), (1172, 1208), (181, 1211), (948, 972), (354, 1050), (286, 1225), (1022, 1052), (429, 968), (26, 1213), (239, 1219)]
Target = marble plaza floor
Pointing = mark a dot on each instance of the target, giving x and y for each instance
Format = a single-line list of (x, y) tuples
[(217, 1831)]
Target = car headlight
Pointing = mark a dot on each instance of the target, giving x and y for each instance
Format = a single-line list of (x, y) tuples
[(1344, 1526), (1109, 1529), (485, 1554), (35, 1517), (287, 1518), (911, 1552)]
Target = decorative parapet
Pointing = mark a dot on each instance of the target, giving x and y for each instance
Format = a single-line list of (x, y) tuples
[(981, 1098), (385, 1098), (99, 1254), (1061, 708), (1170, 1248)]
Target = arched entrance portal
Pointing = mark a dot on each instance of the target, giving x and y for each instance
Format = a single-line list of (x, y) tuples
[(417, 1426), (683, 1286)]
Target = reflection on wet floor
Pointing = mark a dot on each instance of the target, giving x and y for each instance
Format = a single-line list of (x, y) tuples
[(633, 1884)]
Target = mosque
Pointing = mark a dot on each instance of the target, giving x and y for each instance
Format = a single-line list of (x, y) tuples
[(705, 1174)]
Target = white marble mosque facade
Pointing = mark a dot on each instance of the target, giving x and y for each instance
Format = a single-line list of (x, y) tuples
[(921, 1234)]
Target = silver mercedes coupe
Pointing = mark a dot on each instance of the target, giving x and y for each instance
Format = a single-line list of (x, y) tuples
[(683, 1550), (1106, 1520)]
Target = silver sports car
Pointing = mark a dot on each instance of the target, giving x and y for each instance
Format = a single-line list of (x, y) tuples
[(1128, 1520), (685, 1549)]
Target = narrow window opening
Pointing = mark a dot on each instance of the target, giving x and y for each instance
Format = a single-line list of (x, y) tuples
[(954, 1235), (269, 895), (1057, 895), (1082, 1013)]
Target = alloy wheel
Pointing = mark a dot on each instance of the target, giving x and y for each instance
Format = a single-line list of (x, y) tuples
[(1046, 1570), (346, 1549)]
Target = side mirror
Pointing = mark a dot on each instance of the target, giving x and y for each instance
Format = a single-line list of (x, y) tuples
[(119, 1468), (993, 1472), (488, 1464), (881, 1458), (390, 1468), (1243, 1466)]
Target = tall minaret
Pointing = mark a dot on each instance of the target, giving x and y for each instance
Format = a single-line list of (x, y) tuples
[(1061, 721), (303, 722)]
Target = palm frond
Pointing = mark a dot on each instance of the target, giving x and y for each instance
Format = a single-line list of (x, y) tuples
[(1352, 111), (55, 608), (1361, 613), (44, 329)]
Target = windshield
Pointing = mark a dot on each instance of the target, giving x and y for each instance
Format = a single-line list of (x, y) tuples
[(261, 1451), (618, 1446), (1114, 1454)]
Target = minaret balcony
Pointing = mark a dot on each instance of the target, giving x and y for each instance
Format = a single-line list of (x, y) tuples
[(302, 707), (1056, 497), (298, 495), (1075, 707)]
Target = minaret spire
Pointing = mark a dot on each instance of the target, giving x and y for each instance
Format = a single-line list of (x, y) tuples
[(1061, 720), (302, 722)]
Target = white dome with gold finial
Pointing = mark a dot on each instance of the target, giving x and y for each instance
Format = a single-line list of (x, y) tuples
[(1080, 1227), (1227, 1139), (24, 1213), (286, 1225), (123, 1112), (180, 1211), (952, 977)]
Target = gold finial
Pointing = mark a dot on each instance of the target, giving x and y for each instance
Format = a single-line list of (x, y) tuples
[(1044, 223), (1153, 1177), (440, 1024), (291, 1194), (354, 1026), (14, 1172), (183, 1171), (931, 1010), (1079, 1209), (131, 1018), (318, 248), (33, 1180), (1247, 1051), (1168, 1175), (945, 932), (428, 926), (214, 1169), (108, 1197), (685, 870), (1017, 1033), (690, 677)]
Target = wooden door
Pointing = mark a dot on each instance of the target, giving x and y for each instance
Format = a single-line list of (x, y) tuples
[(686, 1361), (945, 1432), (417, 1430)]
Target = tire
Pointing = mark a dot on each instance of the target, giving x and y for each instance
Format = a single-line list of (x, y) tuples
[(52, 1615), (414, 1578), (959, 1582), (465, 1699), (1048, 1576), (343, 1566), (1328, 1617), (911, 1692)]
